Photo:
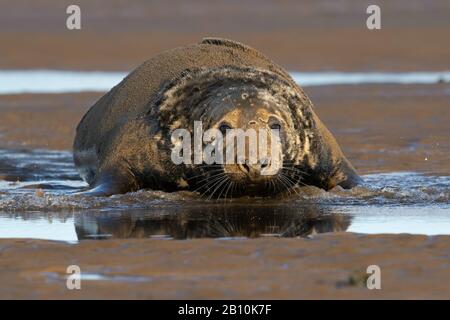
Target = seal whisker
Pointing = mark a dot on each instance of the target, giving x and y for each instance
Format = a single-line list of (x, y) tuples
[(272, 184), (293, 168), (278, 184), (211, 177), (213, 182), (286, 184), (208, 183), (203, 174), (224, 187), (230, 184), (298, 176), (293, 184), (217, 187)]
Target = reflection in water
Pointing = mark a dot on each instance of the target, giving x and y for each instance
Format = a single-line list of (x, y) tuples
[(36, 202), (211, 222)]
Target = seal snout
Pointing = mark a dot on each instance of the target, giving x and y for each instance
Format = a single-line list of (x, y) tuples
[(256, 171)]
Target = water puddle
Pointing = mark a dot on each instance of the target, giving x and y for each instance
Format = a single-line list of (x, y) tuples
[(52, 276), (58, 81), (36, 202)]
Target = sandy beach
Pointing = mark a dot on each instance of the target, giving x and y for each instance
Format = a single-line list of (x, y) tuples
[(324, 267), (299, 35), (381, 128)]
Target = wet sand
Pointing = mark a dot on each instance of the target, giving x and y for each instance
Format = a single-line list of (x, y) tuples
[(43, 121), (300, 35), (326, 266)]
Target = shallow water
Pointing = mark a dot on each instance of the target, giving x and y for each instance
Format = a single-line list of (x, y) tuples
[(58, 81), (36, 201)]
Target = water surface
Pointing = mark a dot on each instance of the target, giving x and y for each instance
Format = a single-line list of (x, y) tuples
[(58, 81), (36, 201)]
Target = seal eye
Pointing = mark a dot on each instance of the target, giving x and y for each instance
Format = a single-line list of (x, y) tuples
[(275, 126), (224, 127)]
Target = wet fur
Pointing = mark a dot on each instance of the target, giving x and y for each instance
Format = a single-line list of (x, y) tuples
[(121, 146)]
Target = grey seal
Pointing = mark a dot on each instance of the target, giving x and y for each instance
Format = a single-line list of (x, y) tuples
[(123, 143)]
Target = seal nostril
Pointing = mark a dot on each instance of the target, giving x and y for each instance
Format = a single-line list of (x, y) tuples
[(265, 163)]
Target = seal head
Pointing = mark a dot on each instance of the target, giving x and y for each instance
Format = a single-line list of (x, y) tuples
[(246, 105)]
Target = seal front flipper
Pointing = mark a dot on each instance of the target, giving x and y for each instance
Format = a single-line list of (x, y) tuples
[(110, 182), (345, 176), (102, 190), (331, 174), (330, 167)]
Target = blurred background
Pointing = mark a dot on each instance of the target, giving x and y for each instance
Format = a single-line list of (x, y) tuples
[(308, 35)]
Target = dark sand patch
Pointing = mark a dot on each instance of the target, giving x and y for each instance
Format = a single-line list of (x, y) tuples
[(45, 121), (326, 266)]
